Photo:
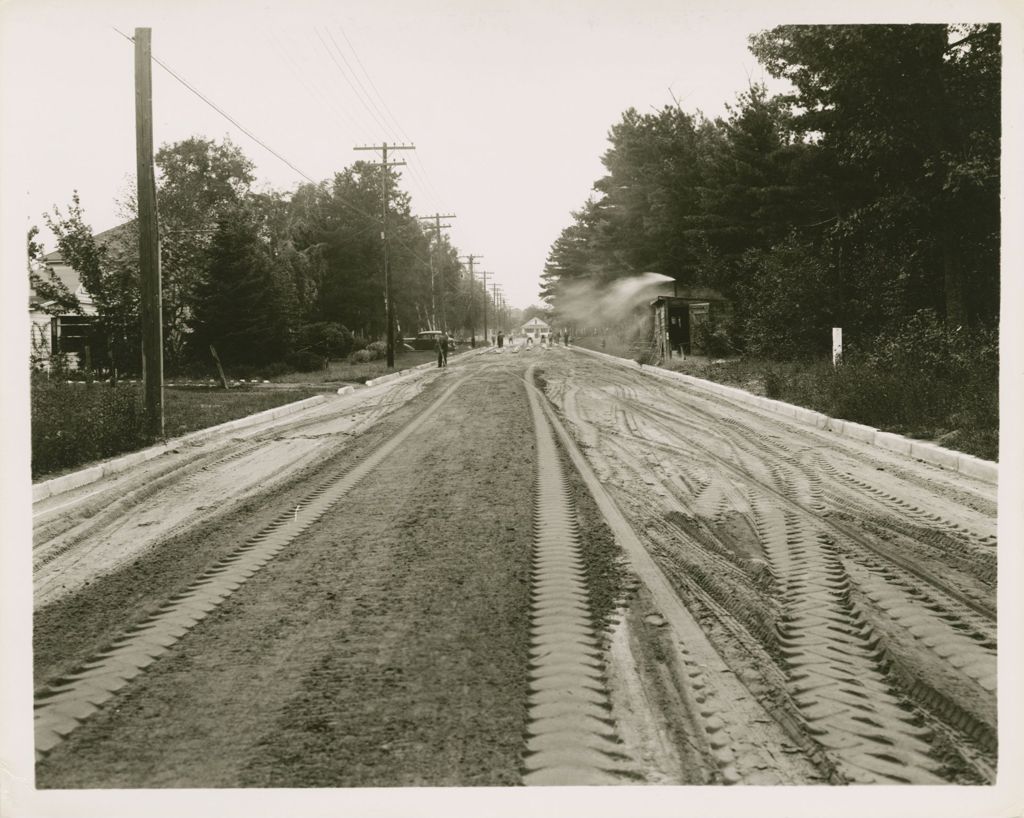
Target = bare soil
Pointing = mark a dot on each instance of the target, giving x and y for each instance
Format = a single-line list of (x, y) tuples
[(386, 647)]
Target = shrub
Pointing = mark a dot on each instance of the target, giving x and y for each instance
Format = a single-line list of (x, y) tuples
[(325, 338), (715, 337), (775, 385), (952, 398), (784, 298), (373, 352), (359, 341), (74, 424)]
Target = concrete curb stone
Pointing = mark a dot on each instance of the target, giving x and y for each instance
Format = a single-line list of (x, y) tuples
[(966, 464), (930, 453), (893, 442)]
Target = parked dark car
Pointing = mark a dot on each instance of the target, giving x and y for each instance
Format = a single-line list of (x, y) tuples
[(428, 340)]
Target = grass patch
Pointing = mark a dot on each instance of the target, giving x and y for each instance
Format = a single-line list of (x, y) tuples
[(76, 424), (190, 410), (345, 372)]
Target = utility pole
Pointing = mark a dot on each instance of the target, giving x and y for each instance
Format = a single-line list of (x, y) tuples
[(389, 309), (472, 300), (149, 240), (437, 222), (497, 308), (483, 275)]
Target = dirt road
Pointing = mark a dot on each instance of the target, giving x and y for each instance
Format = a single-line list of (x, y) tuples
[(369, 595)]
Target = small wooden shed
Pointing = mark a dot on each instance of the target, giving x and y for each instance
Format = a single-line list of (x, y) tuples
[(678, 319)]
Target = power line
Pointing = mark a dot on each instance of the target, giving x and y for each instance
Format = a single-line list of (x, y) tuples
[(220, 110), (373, 85), (417, 167), (317, 94), (369, 99), (264, 145), (366, 100), (346, 78)]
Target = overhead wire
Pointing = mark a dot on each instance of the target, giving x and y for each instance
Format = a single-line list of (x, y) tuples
[(317, 94), (366, 100), (186, 84), (416, 166), (345, 76), (369, 79), (220, 110)]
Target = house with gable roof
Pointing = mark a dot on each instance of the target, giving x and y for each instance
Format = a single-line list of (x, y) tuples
[(535, 329), (74, 334)]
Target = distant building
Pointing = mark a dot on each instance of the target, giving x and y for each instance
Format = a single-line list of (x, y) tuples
[(72, 333), (536, 330), (65, 331)]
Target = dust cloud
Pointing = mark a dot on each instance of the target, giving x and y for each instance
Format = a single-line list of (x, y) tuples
[(588, 304)]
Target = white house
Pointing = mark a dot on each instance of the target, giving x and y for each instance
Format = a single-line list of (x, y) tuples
[(68, 331), (536, 330), (65, 331)]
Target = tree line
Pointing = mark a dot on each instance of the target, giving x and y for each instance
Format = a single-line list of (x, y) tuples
[(867, 195), (264, 276)]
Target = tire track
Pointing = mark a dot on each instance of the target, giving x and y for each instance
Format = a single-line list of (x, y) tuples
[(117, 528), (838, 526), (835, 669), (64, 704), (571, 738), (726, 723), (852, 698)]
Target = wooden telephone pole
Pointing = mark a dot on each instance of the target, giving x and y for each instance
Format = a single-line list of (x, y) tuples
[(149, 240), (472, 300), (483, 276), (499, 318), (389, 310), (437, 226)]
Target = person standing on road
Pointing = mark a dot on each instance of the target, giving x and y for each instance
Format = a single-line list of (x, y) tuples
[(442, 352), (501, 340), (441, 347)]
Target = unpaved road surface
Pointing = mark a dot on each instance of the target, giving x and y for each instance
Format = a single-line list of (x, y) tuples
[(536, 567)]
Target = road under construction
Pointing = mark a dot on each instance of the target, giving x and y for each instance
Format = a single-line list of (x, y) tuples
[(535, 566)]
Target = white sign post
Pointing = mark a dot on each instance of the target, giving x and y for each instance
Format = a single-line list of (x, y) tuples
[(837, 346)]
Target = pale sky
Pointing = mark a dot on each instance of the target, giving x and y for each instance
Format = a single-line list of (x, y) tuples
[(508, 104)]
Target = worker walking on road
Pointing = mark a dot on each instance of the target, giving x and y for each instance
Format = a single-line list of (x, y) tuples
[(442, 350)]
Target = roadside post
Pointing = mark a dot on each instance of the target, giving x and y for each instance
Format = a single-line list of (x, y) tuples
[(837, 346)]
